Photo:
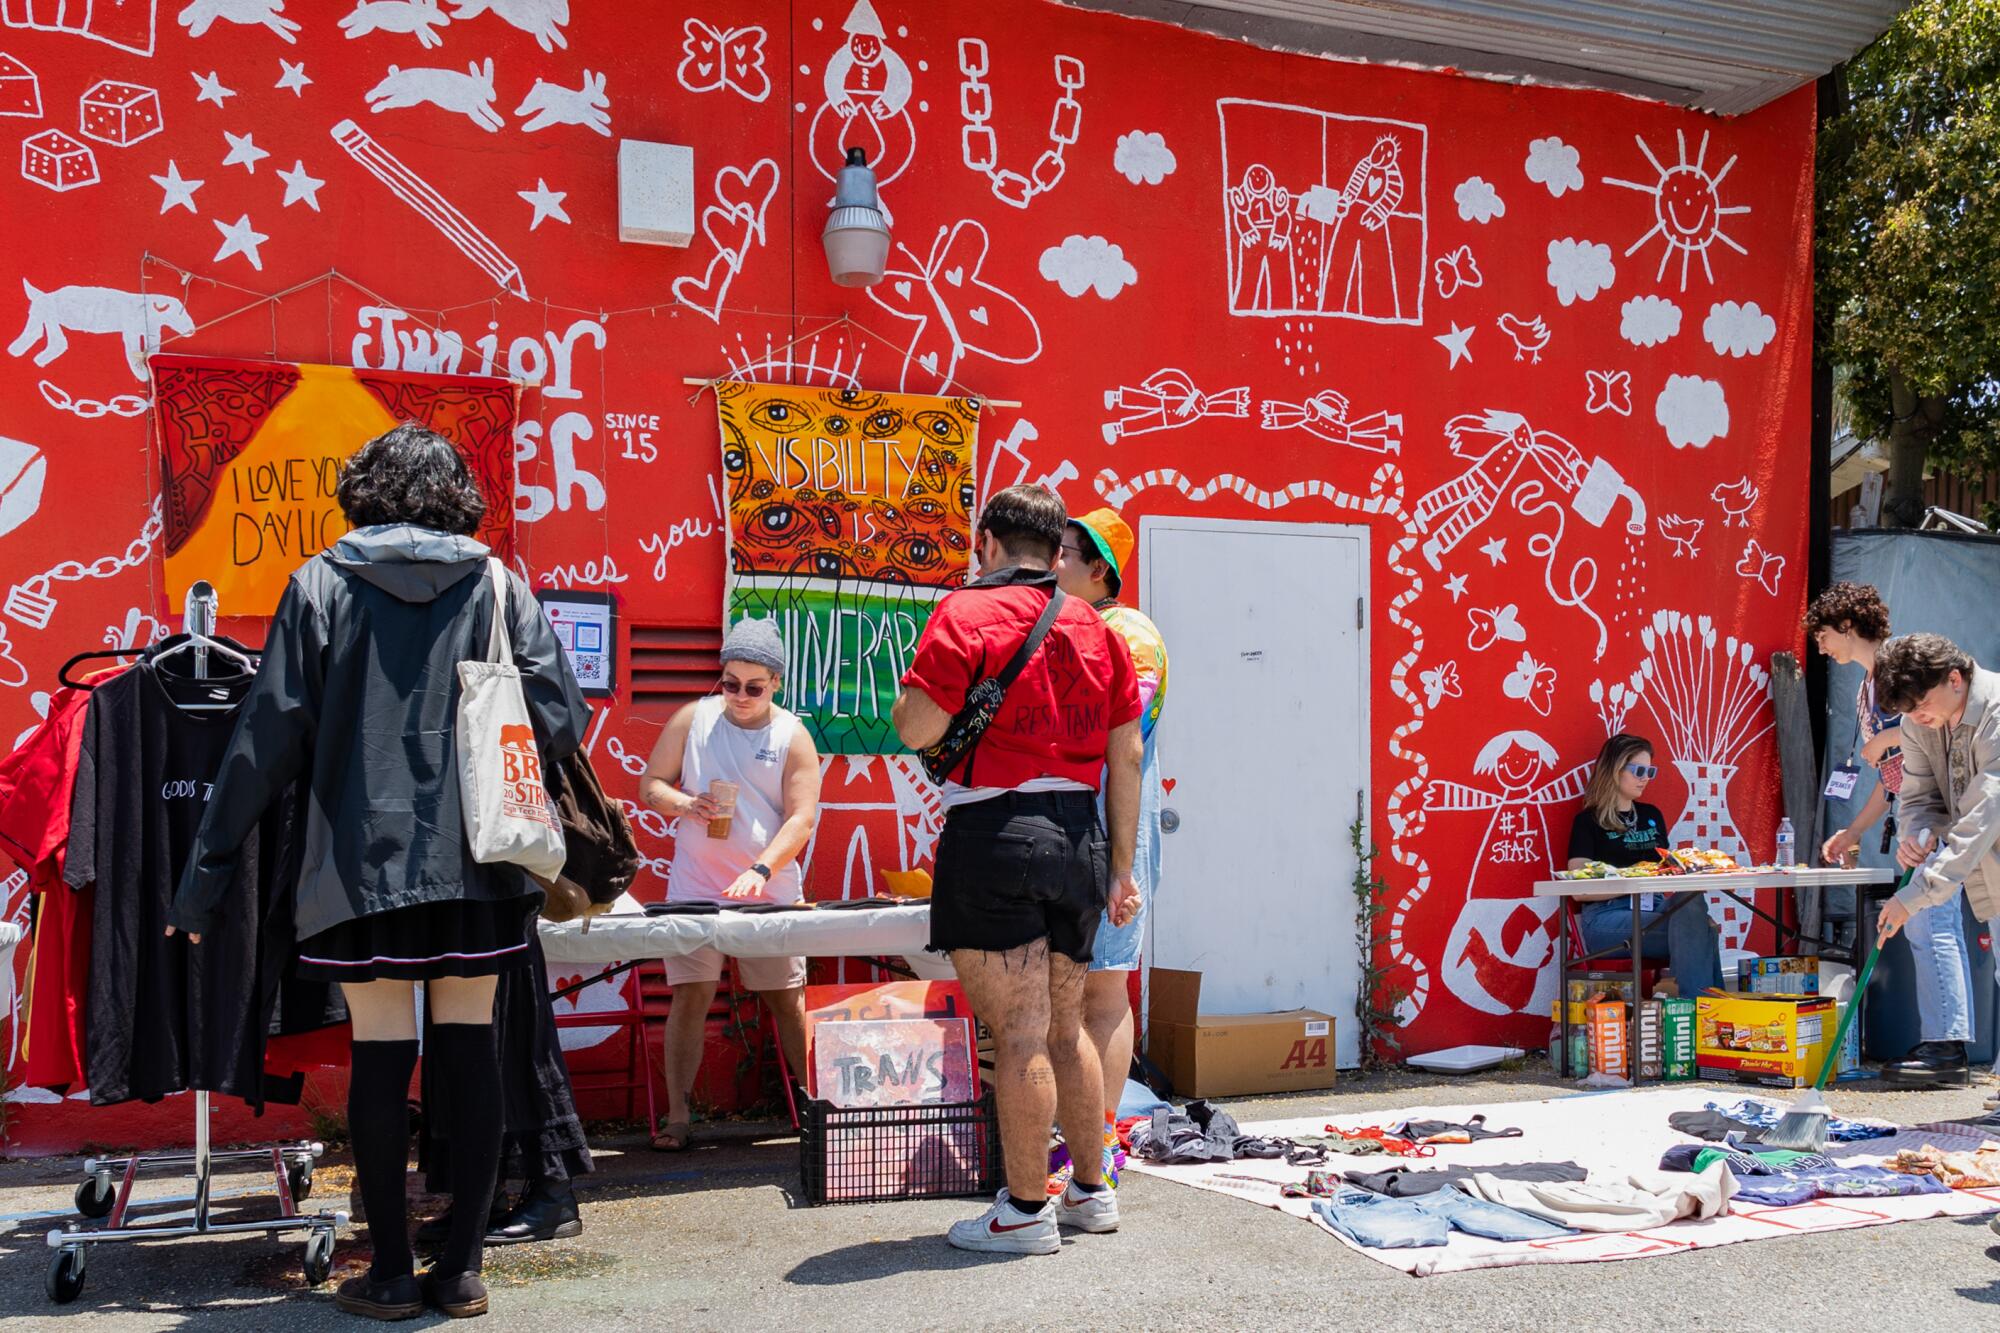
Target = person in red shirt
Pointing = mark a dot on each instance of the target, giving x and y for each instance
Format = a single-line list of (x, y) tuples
[(1025, 868)]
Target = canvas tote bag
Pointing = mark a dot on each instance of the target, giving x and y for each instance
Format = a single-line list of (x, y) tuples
[(508, 816)]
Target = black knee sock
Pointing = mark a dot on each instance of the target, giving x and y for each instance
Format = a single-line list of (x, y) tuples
[(378, 1122), (470, 1064)]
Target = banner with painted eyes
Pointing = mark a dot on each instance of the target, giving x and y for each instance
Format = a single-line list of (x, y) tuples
[(850, 516), (251, 454)]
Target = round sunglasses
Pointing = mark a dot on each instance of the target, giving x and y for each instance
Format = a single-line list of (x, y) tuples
[(746, 688)]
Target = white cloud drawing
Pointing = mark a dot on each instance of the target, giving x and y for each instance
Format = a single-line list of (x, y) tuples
[(1478, 201), (1084, 263), (1553, 163), (1648, 321), (1144, 158), (1693, 410), (1738, 330), (1579, 270)]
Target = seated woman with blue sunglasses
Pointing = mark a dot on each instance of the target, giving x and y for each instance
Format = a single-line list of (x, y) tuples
[(1618, 829)]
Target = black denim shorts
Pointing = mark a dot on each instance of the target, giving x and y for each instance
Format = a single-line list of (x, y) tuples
[(1018, 868)]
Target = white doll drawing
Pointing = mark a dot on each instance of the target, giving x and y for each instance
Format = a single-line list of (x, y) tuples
[(1518, 765)]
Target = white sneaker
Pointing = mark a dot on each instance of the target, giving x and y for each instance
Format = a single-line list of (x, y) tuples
[(1083, 1211), (1002, 1229)]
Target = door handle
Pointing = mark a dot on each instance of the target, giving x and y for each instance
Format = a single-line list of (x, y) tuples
[(1170, 821)]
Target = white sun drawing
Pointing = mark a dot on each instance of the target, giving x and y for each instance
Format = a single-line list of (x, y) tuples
[(1687, 207), (796, 363)]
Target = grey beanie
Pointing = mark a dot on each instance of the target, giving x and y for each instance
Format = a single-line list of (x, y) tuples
[(755, 642)]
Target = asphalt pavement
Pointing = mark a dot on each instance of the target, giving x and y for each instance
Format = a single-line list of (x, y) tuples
[(714, 1239)]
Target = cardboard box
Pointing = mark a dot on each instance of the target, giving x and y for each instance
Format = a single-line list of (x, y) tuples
[(1775, 1040), (1778, 976), (1221, 1055), (1677, 1062)]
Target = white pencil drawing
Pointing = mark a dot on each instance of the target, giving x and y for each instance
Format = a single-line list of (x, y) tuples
[(956, 311), (867, 88), (1456, 271), (129, 25), (433, 207), (723, 59), (552, 104), (470, 94), (1736, 498), (1529, 336), (1324, 214), (138, 318), (1692, 410), (1761, 566), (1326, 415), (1738, 330), (418, 18), (1683, 533), (981, 147), (20, 88), (199, 14), (733, 223), (1167, 399), (1688, 211), (1608, 391), (542, 20), (1579, 270), (58, 161), (1143, 157)]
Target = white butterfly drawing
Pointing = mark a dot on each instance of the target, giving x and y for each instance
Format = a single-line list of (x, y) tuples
[(956, 311), (1532, 681), (1457, 269), (1441, 682), (1762, 566), (714, 59), (1490, 627), (1610, 391)]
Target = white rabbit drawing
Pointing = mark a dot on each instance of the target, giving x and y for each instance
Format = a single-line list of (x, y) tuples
[(470, 94), (421, 17), (541, 19), (553, 104), (199, 14)]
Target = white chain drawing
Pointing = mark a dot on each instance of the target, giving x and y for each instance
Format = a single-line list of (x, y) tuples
[(982, 148), (31, 602), (119, 405)]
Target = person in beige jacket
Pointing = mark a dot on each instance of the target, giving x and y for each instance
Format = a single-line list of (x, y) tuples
[(1951, 776)]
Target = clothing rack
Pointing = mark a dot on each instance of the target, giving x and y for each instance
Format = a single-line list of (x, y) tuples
[(291, 1164)]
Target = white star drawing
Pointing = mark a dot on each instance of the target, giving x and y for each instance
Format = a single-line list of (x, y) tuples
[(300, 187), (294, 77), (239, 239), (547, 203), (242, 152), (1455, 585), (180, 192), (211, 88), (1495, 550), (1456, 342)]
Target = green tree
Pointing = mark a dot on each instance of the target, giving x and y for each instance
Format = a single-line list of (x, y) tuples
[(1908, 243)]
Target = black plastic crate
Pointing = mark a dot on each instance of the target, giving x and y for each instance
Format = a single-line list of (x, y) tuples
[(869, 1154)]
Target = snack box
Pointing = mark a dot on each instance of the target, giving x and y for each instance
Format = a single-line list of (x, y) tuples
[(1775, 1040), (1779, 976)]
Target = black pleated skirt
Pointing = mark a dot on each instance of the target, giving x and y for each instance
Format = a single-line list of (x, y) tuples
[(416, 943)]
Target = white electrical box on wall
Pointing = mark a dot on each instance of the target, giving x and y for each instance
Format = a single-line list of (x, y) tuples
[(655, 193)]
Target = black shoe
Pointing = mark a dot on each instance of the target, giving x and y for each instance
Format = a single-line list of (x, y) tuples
[(435, 1232), (461, 1296), (540, 1216), (1933, 1064), (391, 1298)]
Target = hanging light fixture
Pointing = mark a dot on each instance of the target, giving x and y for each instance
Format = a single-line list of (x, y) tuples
[(856, 235)]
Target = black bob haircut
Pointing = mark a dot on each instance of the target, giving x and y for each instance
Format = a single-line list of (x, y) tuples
[(411, 475)]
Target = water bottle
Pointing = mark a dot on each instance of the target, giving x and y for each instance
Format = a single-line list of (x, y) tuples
[(1787, 849)]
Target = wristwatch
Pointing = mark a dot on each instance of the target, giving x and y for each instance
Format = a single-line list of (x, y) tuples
[(763, 870)]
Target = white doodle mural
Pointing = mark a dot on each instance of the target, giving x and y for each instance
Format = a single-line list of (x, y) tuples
[(58, 161), (1608, 391), (1554, 165), (469, 94), (1760, 566), (210, 88), (1529, 334), (243, 152), (956, 311), (1579, 270), (431, 206), (292, 78), (20, 88), (301, 187), (1440, 683), (418, 18), (1692, 410), (199, 15), (1500, 624), (1143, 157), (549, 104), (129, 25), (547, 203), (1738, 330), (717, 60), (23, 469), (1522, 782), (981, 146), (240, 238), (1737, 498), (119, 114), (1456, 272), (1648, 321), (1324, 213), (867, 88), (542, 20), (1326, 416), (1532, 682), (136, 318), (1684, 533), (1478, 201), (1458, 343), (1168, 399), (733, 222), (1086, 264), (1688, 211)]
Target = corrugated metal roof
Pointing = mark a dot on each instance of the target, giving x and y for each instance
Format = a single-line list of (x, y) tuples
[(1727, 56)]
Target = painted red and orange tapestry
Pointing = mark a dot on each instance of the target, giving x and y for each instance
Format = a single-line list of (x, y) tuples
[(850, 516), (251, 454)]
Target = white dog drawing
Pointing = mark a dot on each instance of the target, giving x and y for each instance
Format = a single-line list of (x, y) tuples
[(137, 317), (541, 19), (421, 17), (470, 94), (553, 104), (254, 13)]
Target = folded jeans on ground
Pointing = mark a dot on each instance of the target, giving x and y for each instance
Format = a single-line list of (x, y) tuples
[(1382, 1223)]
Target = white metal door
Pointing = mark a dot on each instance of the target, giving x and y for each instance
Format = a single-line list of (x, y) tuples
[(1265, 740)]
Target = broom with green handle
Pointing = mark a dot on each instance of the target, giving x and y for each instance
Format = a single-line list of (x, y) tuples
[(1802, 1128)]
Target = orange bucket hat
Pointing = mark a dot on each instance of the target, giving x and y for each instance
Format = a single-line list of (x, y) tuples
[(1112, 536)]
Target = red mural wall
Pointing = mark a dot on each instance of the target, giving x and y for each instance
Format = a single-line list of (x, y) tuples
[(1550, 346)]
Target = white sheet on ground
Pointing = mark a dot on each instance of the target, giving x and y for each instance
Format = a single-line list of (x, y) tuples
[(1611, 1134)]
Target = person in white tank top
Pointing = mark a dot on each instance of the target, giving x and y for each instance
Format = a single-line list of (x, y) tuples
[(740, 736)]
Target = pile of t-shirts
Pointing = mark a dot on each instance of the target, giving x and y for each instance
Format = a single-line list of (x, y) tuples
[(1752, 1118), (1979, 1169), (1780, 1178), (1197, 1132)]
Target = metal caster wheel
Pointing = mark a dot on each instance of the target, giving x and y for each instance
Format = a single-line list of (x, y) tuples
[(300, 1178), (65, 1281), (94, 1198), (319, 1258)]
